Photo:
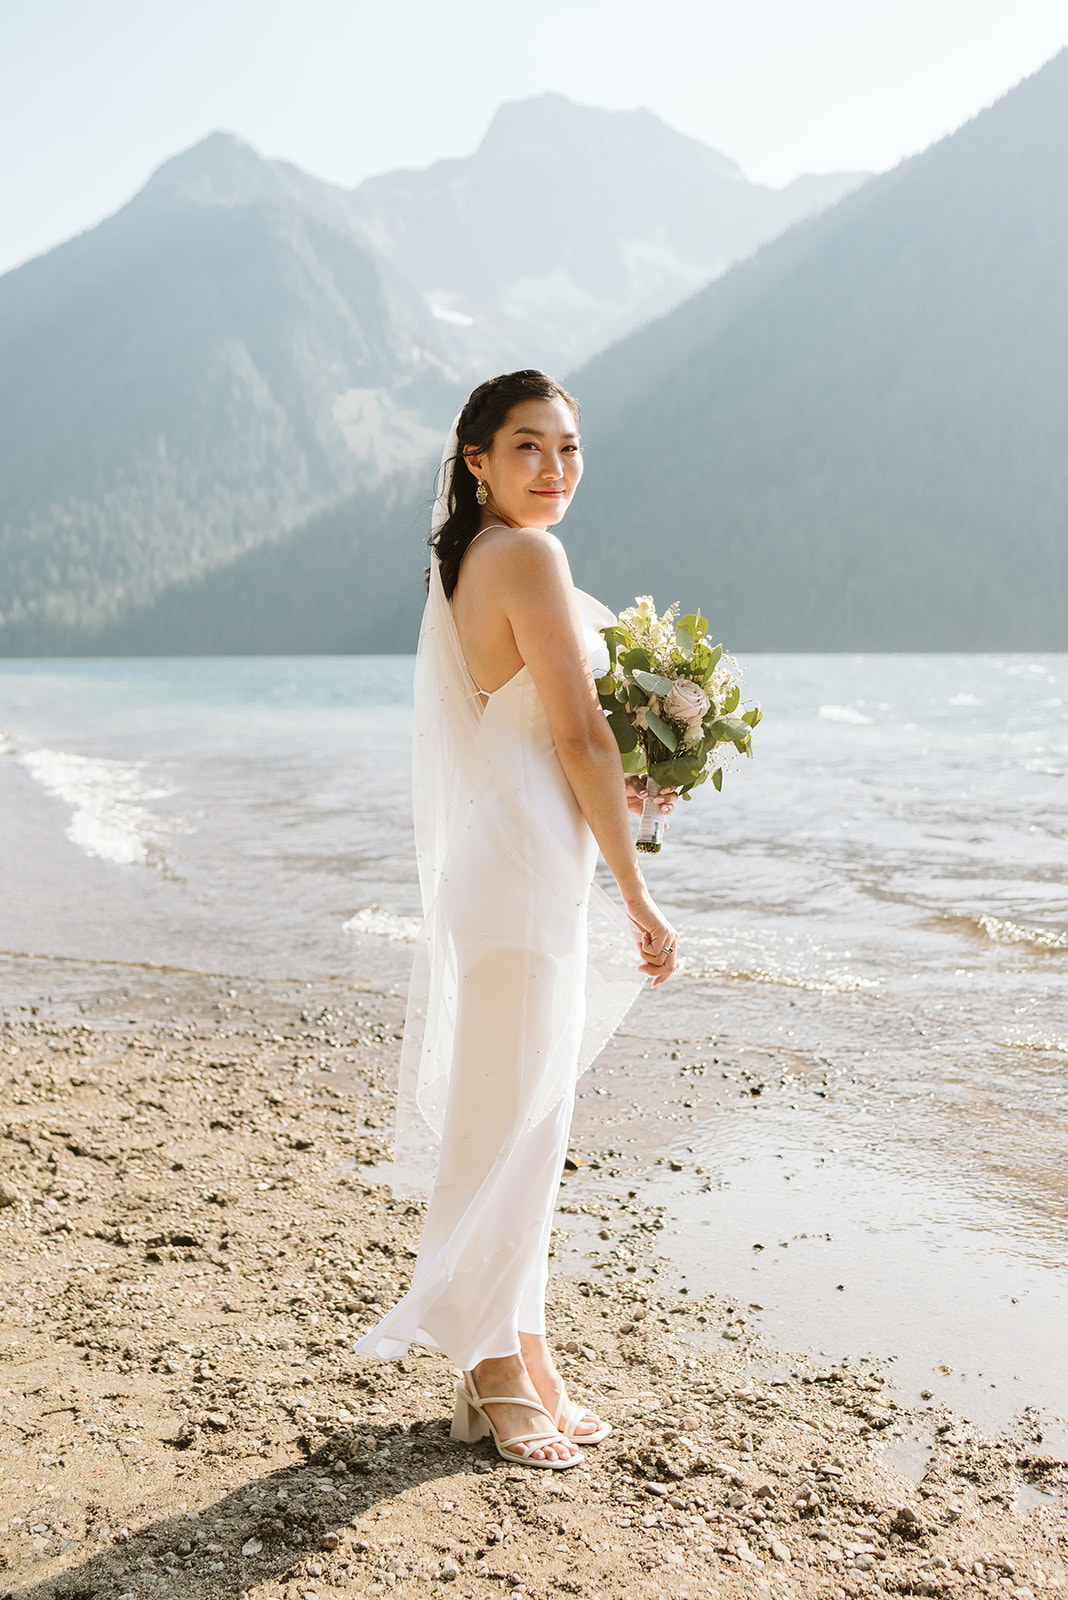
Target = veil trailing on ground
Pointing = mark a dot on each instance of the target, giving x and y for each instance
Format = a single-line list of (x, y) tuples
[(457, 798)]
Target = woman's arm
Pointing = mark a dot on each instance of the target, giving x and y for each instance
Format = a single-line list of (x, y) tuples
[(536, 591)]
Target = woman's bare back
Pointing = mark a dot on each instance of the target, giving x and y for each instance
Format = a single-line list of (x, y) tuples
[(482, 624)]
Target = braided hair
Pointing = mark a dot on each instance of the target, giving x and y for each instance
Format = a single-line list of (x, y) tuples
[(480, 421)]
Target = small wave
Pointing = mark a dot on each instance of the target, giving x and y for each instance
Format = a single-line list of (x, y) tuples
[(1036, 1041), (964, 700), (381, 924), (108, 818), (827, 983), (843, 714), (1013, 933), (752, 955), (7, 744)]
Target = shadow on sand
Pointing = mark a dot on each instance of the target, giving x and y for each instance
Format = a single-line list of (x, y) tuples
[(271, 1528)]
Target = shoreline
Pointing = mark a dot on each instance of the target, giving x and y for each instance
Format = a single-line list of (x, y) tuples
[(193, 1233)]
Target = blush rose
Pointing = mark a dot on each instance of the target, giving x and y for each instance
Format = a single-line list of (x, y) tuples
[(687, 701)]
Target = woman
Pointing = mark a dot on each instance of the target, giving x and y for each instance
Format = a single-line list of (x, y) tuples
[(522, 973)]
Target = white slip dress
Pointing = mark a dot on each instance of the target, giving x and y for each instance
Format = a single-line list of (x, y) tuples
[(523, 970)]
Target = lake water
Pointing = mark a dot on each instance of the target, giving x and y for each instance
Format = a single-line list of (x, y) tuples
[(875, 931)]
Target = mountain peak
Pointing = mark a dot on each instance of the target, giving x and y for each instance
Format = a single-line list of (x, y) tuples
[(222, 170), (552, 124)]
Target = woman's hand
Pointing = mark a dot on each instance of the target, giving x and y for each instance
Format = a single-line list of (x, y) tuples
[(635, 790), (657, 940)]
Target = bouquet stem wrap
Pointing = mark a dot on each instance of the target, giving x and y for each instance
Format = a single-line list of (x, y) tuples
[(650, 836)]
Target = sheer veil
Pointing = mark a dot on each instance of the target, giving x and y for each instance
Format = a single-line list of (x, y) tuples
[(449, 785)]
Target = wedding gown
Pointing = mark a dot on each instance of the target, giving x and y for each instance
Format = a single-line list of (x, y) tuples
[(523, 970)]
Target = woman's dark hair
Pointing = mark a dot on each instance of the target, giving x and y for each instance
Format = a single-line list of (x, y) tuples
[(480, 420)]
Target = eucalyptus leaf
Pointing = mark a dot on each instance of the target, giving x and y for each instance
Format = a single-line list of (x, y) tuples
[(717, 655), (717, 779), (658, 727), (636, 658), (677, 772), (652, 681), (624, 730), (731, 702), (684, 638), (753, 717), (633, 760), (728, 730), (613, 638)]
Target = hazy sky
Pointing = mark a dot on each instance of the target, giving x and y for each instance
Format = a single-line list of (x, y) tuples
[(94, 94)]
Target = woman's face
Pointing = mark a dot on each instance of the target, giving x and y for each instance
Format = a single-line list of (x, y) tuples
[(533, 466)]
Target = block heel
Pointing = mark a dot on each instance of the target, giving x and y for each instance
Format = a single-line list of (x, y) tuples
[(469, 1425)]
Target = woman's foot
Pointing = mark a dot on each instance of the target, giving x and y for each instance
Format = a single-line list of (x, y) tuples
[(508, 1375), (537, 1358)]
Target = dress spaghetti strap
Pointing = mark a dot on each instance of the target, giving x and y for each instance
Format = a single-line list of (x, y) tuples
[(484, 693)]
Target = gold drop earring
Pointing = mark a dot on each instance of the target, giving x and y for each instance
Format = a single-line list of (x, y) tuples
[(481, 493)]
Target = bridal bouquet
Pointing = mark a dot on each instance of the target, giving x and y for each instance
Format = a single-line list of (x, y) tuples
[(672, 702)]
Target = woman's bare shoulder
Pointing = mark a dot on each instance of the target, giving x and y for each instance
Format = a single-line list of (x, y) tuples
[(520, 540), (522, 554), (518, 560)]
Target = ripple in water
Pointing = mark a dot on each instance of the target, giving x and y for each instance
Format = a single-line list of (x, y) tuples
[(375, 923), (1003, 932)]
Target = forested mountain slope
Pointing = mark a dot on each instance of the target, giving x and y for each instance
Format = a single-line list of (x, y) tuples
[(185, 381), (857, 440)]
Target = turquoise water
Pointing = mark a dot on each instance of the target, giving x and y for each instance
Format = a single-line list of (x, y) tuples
[(880, 900)]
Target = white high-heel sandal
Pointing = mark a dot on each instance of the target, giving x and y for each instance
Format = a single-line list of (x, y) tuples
[(568, 1416), (470, 1423)]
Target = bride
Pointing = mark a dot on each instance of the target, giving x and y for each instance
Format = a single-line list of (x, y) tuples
[(525, 967)]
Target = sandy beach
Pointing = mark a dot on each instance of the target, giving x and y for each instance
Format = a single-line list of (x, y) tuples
[(194, 1228)]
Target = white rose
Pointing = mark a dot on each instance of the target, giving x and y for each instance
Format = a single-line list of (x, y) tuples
[(687, 701)]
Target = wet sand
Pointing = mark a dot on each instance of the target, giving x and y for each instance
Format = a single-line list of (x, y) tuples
[(872, 1205), (194, 1228)]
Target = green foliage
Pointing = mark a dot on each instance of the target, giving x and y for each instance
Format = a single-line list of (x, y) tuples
[(663, 730), (635, 660), (652, 681), (730, 730), (624, 730), (688, 631), (684, 772), (613, 637), (654, 654)]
